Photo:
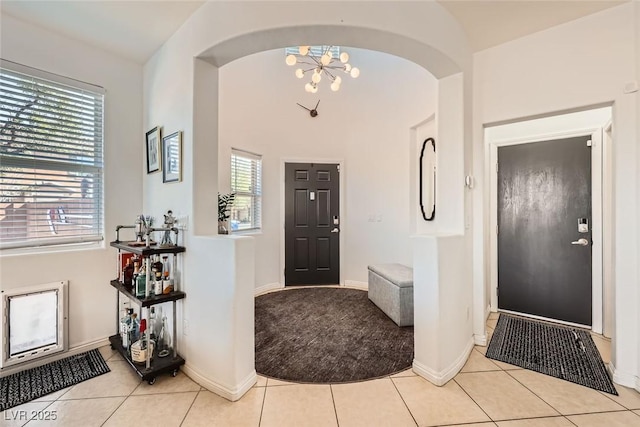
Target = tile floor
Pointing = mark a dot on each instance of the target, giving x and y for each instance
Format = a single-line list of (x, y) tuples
[(486, 393)]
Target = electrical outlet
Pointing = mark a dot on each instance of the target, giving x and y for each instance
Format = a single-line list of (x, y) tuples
[(185, 327)]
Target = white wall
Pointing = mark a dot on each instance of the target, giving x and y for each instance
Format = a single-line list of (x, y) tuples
[(91, 300), (180, 92), (572, 66), (366, 125)]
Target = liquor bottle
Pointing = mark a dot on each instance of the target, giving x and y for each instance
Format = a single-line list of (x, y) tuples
[(127, 274), (133, 327), (152, 324), (141, 282), (125, 321), (157, 268)]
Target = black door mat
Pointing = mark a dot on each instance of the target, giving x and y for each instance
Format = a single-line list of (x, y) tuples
[(30, 384), (562, 352)]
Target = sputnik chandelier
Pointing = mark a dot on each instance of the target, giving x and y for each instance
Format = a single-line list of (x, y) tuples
[(321, 66)]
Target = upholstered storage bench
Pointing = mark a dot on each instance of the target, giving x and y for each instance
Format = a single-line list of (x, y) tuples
[(391, 289)]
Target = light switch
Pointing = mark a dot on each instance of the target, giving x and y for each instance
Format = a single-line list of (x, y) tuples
[(312, 195)]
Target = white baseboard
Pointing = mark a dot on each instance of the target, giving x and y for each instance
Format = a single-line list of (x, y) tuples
[(230, 393), (487, 312), (81, 348), (624, 378), (444, 376), (356, 284), (269, 287), (480, 340)]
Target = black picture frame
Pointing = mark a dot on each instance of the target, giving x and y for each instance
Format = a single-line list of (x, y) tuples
[(154, 155), (172, 157)]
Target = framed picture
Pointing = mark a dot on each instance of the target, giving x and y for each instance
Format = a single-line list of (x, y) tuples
[(172, 157), (153, 150)]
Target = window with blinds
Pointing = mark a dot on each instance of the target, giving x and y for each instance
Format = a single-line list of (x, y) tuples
[(246, 182), (51, 160)]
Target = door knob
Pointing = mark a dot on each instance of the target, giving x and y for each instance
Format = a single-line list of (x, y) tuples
[(581, 242), (335, 230)]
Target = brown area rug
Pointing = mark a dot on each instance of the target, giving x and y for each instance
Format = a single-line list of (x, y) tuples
[(327, 335)]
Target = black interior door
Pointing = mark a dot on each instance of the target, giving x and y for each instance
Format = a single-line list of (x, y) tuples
[(544, 192), (312, 250)]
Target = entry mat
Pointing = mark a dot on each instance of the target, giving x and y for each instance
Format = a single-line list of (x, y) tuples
[(30, 384), (562, 352)]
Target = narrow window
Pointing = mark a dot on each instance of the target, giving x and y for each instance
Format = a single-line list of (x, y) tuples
[(246, 182)]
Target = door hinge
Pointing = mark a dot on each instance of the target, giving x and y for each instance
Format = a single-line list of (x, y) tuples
[(338, 167), (589, 143), (496, 167)]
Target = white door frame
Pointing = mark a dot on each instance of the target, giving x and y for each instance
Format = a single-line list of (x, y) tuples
[(596, 215), (283, 162)]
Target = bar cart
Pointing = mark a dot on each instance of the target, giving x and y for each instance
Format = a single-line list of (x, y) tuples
[(144, 247)]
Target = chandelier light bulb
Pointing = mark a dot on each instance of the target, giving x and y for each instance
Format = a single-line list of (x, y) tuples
[(335, 86), (329, 53), (325, 59), (291, 60), (344, 57), (347, 68), (304, 50), (308, 87), (355, 72), (314, 89), (299, 73), (338, 80), (316, 77)]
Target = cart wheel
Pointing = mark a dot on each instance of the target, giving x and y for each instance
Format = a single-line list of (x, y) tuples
[(152, 381), (174, 373)]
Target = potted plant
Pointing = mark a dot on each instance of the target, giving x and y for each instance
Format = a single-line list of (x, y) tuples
[(225, 201)]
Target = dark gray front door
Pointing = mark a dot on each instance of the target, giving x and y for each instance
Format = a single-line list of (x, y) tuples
[(544, 192), (312, 242)]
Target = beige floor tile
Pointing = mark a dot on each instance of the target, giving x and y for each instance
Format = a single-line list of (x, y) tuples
[(493, 316), (262, 381), (502, 397), (21, 414), (481, 348), (604, 347), (106, 352), (628, 397), (298, 405), (473, 425), (370, 403), (166, 410), (506, 366), (211, 410), (79, 413), (477, 362), (121, 381), (431, 405), (274, 382), (608, 419), (492, 323), (537, 422), (564, 396), (406, 373), (53, 396), (165, 383)]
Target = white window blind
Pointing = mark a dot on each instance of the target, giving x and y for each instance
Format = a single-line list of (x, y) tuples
[(246, 182), (51, 160)]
